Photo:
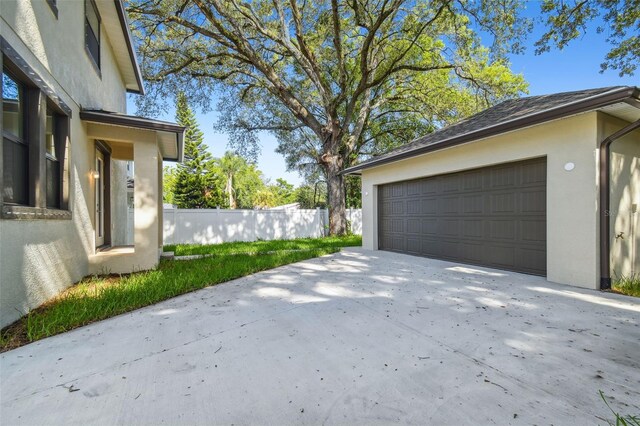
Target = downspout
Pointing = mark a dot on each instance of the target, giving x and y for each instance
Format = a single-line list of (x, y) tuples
[(604, 180)]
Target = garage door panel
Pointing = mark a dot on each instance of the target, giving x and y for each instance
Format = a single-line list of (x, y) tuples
[(473, 181), (504, 230), (534, 201), (473, 204), (397, 208), (503, 203), (414, 188), (531, 259), (430, 226), (449, 205), (396, 190), (414, 226), (397, 243), (429, 206), (502, 177), (472, 252), (533, 230), (413, 207), (493, 216), (430, 247), (534, 173), (449, 227), (449, 249), (414, 245), (429, 186), (473, 228), (385, 209), (501, 256), (452, 183)]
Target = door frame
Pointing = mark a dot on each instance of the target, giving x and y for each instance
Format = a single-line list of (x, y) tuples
[(105, 151)]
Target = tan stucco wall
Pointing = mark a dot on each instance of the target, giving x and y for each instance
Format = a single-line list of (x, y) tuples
[(58, 48), (572, 197), (119, 209), (39, 258), (147, 201), (624, 192)]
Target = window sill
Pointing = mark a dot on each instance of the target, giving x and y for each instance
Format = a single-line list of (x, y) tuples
[(34, 213)]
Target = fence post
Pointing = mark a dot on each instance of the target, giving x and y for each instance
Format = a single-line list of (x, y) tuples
[(219, 225), (175, 225), (255, 224)]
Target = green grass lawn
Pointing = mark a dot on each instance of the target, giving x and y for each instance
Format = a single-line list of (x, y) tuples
[(261, 247), (627, 285), (98, 298)]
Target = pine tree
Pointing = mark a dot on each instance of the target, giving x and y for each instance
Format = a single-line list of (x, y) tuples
[(191, 184)]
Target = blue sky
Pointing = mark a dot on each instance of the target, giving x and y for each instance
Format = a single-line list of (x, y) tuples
[(574, 68)]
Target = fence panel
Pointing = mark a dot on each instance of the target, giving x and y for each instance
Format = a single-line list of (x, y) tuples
[(214, 226)]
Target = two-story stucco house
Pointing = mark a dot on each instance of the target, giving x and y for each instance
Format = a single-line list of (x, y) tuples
[(66, 69)]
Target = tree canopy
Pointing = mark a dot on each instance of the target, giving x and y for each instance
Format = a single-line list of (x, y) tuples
[(191, 184), (619, 21), (333, 80)]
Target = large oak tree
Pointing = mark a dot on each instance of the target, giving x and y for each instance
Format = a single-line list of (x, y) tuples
[(334, 80)]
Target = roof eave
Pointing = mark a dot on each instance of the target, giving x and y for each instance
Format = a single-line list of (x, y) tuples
[(129, 121), (124, 23), (619, 95), (180, 142), (102, 117)]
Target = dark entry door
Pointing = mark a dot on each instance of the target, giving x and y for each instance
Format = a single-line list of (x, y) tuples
[(493, 216)]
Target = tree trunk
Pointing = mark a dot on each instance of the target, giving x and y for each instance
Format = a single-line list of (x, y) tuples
[(335, 185), (232, 201)]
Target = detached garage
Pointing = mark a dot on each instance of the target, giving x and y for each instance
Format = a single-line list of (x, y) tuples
[(540, 185)]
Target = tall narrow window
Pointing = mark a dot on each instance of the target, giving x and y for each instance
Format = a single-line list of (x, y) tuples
[(92, 31), (15, 151), (53, 160)]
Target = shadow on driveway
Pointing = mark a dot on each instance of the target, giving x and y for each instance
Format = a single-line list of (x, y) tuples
[(353, 338)]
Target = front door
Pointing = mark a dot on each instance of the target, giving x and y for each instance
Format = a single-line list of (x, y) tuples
[(100, 198)]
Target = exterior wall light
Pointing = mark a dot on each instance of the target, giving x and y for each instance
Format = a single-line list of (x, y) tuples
[(569, 166)]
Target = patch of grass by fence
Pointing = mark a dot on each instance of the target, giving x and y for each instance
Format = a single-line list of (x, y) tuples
[(98, 298), (263, 246)]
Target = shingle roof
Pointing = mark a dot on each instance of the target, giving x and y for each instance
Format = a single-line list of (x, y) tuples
[(506, 116)]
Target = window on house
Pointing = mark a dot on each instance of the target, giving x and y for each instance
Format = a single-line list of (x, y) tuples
[(35, 146), (53, 154), (92, 30), (15, 150), (53, 4)]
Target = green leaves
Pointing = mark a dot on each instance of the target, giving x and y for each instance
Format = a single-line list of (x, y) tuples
[(192, 184), (334, 81), (618, 19)]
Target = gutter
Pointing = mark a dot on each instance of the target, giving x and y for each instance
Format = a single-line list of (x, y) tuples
[(604, 181), (576, 107)]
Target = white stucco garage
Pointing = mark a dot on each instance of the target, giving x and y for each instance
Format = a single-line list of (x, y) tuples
[(547, 185)]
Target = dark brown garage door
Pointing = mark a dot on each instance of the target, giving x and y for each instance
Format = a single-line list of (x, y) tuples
[(493, 216)]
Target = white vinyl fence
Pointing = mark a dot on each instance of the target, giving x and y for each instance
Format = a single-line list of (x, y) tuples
[(213, 226)]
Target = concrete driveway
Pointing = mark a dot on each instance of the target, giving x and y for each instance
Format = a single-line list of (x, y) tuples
[(353, 338)]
